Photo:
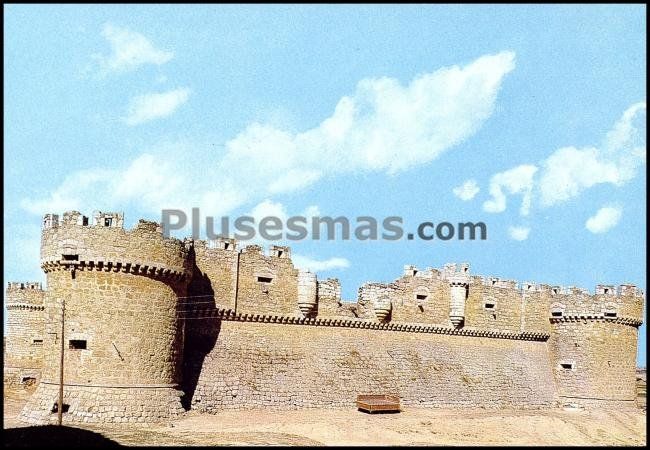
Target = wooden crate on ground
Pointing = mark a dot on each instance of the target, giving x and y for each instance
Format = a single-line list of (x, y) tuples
[(378, 403)]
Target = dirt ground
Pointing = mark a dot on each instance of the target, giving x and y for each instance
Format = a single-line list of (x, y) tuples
[(413, 426)]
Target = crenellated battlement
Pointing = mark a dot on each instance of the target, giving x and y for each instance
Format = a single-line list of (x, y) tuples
[(100, 219), (25, 295), (18, 285), (107, 246)]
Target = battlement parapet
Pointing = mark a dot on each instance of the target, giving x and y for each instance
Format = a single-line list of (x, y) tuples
[(24, 295), (108, 219), (220, 243), (108, 246), (329, 288), (631, 321), (21, 285), (529, 286), (100, 219), (629, 290), (280, 251), (253, 248), (413, 271)]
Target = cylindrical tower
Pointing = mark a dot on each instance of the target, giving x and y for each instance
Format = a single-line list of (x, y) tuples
[(23, 352), (116, 292), (383, 307), (306, 292), (593, 347), (458, 283)]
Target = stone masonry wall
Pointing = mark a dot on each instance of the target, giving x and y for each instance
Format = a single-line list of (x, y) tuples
[(247, 365), (267, 284), (594, 359), (23, 353), (215, 275), (122, 334)]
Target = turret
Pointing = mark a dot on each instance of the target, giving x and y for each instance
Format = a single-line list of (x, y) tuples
[(306, 292), (122, 333), (459, 284), (23, 359)]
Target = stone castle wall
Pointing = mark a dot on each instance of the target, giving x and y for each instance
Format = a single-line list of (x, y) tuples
[(249, 365), (148, 318)]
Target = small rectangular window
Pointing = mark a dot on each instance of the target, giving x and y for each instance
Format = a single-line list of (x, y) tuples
[(55, 407), (77, 344), (489, 305), (29, 381), (611, 314), (107, 222), (556, 313), (264, 279), (37, 341), (567, 366), (70, 257), (421, 297)]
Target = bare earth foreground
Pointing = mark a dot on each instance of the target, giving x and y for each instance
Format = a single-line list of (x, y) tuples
[(413, 426)]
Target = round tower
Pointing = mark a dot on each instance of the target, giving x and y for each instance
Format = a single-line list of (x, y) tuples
[(593, 345), (112, 300), (23, 345)]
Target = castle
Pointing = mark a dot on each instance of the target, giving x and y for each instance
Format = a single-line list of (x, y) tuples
[(154, 326)]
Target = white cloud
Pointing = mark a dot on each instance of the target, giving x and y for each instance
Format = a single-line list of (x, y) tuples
[(519, 233), (315, 265), (269, 208), (144, 108), (467, 190), (518, 180), (71, 194), (383, 126), (568, 171), (605, 219), (129, 50)]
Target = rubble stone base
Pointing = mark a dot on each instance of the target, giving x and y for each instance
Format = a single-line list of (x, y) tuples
[(100, 404)]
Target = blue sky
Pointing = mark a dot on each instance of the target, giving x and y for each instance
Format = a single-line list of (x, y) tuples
[(529, 118)]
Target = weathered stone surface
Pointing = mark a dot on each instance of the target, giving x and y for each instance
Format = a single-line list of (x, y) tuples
[(147, 318)]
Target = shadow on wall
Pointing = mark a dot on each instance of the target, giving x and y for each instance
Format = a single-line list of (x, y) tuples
[(201, 331), (53, 436)]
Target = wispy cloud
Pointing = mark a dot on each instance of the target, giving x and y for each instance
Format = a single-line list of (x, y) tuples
[(605, 219), (518, 180), (129, 50), (519, 233), (568, 171), (315, 265), (384, 126), (467, 190), (148, 107)]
